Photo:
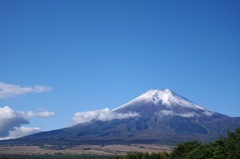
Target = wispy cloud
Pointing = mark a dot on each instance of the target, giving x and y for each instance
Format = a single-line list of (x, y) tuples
[(186, 115), (44, 114), (10, 90), (11, 122), (103, 115), (170, 113)]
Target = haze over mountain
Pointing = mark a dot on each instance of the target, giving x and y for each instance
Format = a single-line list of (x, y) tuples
[(157, 116)]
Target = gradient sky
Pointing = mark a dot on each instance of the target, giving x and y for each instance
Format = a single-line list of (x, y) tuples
[(95, 54)]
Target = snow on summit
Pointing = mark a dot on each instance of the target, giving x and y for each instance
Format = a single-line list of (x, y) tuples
[(165, 97)]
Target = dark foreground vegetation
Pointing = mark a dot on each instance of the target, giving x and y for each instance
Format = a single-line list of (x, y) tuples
[(223, 148)]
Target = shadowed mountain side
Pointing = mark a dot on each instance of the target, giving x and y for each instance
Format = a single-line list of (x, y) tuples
[(170, 130)]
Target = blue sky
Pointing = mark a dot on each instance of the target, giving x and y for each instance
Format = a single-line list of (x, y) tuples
[(95, 54)]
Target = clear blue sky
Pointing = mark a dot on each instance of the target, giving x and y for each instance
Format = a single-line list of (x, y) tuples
[(95, 54)]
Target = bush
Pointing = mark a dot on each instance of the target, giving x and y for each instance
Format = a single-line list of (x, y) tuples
[(223, 148)]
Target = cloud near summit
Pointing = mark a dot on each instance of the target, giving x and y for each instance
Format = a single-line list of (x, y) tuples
[(10, 90), (102, 115)]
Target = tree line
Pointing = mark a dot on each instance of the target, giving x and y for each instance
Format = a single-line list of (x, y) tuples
[(224, 148)]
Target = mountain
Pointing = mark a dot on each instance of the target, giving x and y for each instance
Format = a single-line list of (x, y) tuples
[(163, 102), (163, 117)]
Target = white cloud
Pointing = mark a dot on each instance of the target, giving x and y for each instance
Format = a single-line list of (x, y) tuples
[(10, 90), (44, 114), (208, 113), (103, 115), (170, 113), (20, 132), (11, 122), (187, 115), (166, 112)]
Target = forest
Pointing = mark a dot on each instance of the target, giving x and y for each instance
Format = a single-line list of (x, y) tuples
[(224, 148)]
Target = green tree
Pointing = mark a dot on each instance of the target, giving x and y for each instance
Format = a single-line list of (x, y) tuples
[(129, 156), (155, 156), (181, 150), (202, 151), (145, 155), (223, 148), (232, 144), (218, 149)]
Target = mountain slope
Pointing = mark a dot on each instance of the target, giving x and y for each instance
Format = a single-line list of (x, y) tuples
[(163, 101), (165, 117)]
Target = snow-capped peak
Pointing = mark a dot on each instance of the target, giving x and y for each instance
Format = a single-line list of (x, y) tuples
[(165, 97)]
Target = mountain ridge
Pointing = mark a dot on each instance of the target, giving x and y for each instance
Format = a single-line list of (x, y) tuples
[(165, 117), (166, 100)]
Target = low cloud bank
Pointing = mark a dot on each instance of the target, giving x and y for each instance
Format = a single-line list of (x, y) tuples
[(11, 122), (20, 132), (10, 90), (102, 115)]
